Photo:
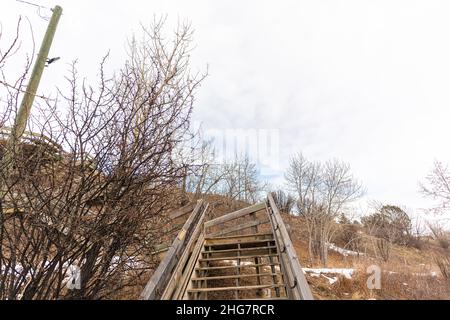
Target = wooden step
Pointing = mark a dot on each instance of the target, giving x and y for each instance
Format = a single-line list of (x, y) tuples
[(239, 250), (247, 244), (253, 252), (239, 238), (239, 288), (238, 257), (236, 276), (240, 266)]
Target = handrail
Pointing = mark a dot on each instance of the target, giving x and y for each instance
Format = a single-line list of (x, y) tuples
[(235, 215), (157, 284), (297, 286), (171, 279)]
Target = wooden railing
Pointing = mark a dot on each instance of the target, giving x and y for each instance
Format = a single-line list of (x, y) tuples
[(172, 278), (169, 274), (297, 286)]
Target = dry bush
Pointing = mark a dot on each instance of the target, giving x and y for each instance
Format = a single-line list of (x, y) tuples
[(394, 286), (416, 242), (390, 223), (349, 235), (284, 202), (384, 249), (439, 234), (444, 265), (88, 189)]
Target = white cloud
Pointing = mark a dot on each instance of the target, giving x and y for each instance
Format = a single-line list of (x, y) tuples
[(364, 81)]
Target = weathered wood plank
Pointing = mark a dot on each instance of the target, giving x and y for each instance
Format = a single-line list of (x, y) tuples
[(238, 256), (235, 215), (250, 252), (266, 248), (159, 279), (184, 267), (236, 276), (242, 266), (181, 211), (248, 237), (263, 286), (243, 226), (288, 255)]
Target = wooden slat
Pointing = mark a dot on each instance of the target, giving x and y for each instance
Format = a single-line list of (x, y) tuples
[(253, 252), (194, 264), (263, 286), (238, 272), (255, 230), (179, 277), (239, 257), (241, 266), (247, 225), (244, 244), (184, 283), (262, 237), (235, 215), (236, 276), (240, 249), (181, 211)]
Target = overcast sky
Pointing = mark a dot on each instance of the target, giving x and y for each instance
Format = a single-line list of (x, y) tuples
[(363, 81)]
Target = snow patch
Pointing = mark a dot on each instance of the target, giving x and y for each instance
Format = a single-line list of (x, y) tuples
[(343, 271), (343, 251), (330, 280)]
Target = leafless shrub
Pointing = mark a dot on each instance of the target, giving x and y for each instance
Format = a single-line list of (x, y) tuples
[(439, 234), (384, 249), (444, 265), (390, 223), (89, 186), (284, 202), (349, 235)]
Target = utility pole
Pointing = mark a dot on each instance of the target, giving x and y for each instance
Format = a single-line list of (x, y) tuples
[(24, 111)]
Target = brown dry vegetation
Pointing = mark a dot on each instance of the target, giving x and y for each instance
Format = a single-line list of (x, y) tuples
[(407, 274)]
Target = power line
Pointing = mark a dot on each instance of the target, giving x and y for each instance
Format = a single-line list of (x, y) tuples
[(23, 91), (39, 7), (33, 4)]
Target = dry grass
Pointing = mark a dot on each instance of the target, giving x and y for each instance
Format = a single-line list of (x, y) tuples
[(410, 273), (406, 275)]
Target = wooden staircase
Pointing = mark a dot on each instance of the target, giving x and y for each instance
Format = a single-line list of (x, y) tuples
[(237, 267), (246, 254)]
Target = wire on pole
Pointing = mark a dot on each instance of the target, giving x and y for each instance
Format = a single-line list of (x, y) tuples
[(39, 7)]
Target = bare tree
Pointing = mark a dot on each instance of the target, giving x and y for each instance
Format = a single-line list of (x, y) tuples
[(206, 174), (323, 191), (384, 249), (439, 233), (241, 181), (284, 202), (90, 184), (236, 180), (437, 187)]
